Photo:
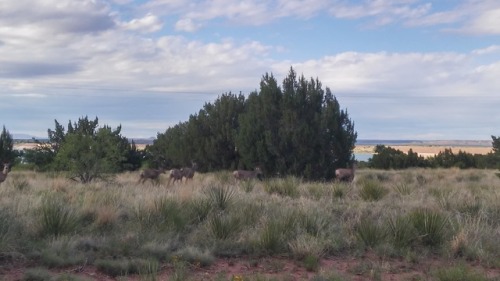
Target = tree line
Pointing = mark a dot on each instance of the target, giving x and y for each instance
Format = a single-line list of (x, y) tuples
[(390, 158), (297, 128)]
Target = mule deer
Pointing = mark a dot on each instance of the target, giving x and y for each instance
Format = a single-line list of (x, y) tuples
[(152, 174), (244, 175), (346, 175), (188, 173), (176, 175), (4, 173)]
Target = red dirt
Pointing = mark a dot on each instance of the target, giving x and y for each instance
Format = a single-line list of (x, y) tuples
[(367, 267)]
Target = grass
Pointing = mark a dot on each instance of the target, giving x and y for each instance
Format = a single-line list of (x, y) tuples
[(123, 228)]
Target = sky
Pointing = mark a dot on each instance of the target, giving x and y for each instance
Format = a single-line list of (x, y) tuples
[(403, 69)]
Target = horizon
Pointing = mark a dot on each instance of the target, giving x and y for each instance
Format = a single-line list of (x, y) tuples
[(404, 70)]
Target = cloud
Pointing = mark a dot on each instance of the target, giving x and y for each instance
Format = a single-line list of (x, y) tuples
[(488, 50), (487, 22), (148, 23), (55, 16), (383, 11)]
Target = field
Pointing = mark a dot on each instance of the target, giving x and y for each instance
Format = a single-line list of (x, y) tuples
[(414, 224)]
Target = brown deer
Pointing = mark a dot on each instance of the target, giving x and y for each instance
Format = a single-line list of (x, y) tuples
[(176, 175), (4, 173), (346, 175), (152, 174), (244, 175), (188, 173)]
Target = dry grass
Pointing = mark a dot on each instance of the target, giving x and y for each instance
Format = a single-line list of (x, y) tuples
[(122, 218)]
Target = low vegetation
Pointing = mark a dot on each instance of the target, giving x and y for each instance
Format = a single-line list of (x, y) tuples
[(123, 228)]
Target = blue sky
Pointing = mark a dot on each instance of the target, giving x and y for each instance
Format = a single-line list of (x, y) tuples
[(404, 69)]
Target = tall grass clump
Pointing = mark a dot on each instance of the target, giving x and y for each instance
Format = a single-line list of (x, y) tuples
[(56, 217), (372, 190), (247, 185), (276, 232), (403, 189), (9, 230), (430, 226), (371, 233), (288, 186), (170, 214), (400, 231), (221, 197), (222, 226)]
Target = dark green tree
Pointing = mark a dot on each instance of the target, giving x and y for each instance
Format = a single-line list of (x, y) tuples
[(496, 144), (88, 152), (299, 130), (7, 154)]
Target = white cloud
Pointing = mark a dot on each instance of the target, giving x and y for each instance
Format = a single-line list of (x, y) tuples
[(148, 23), (187, 25), (488, 50), (384, 11), (487, 22)]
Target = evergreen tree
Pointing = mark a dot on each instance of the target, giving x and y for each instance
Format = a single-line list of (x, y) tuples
[(7, 154), (88, 152)]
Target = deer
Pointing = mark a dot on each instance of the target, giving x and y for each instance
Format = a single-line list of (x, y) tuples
[(244, 175), (188, 173), (176, 175), (346, 175), (152, 174), (4, 173)]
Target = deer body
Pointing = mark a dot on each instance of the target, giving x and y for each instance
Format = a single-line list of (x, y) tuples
[(176, 175), (244, 175), (4, 173), (152, 174), (345, 174), (188, 173)]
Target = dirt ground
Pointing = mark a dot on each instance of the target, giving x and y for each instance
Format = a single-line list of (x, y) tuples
[(366, 267)]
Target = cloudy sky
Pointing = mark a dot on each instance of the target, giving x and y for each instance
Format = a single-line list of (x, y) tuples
[(404, 69)]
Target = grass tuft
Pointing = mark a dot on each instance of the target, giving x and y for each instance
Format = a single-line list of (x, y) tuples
[(372, 190)]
